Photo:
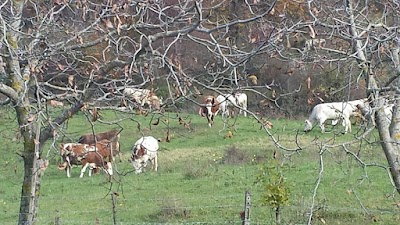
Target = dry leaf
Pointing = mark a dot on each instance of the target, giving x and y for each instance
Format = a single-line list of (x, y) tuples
[(71, 80), (253, 79), (55, 133), (55, 103), (196, 91), (108, 23), (95, 115), (60, 66), (79, 39), (114, 7), (31, 119), (308, 82), (168, 138), (312, 32), (157, 122)]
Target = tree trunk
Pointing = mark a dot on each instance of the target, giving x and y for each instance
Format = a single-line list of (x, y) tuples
[(278, 215), (30, 187), (389, 137)]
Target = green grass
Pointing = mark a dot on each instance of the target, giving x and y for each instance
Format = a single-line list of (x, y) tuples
[(203, 175)]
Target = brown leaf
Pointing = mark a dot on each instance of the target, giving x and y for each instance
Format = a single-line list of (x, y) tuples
[(55, 103), (168, 137), (308, 82), (79, 39), (228, 134), (60, 66), (114, 7), (196, 91), (94, 115), (157, 122), (71, 80), (253, 79), (31, 119), (108, 23), (55, 133), (312, 31), (268, 124), (310, 101)]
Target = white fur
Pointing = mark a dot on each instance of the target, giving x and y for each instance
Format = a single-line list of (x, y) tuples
[(226, 101), (333, 111), (150, 144), (241, 101), (139, 95), (107, 168)]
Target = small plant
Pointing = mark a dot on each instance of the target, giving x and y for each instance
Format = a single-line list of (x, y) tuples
[(276, 190)]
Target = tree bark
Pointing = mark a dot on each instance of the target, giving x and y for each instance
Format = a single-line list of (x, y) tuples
[(278, 215), (389, 140), (30, 187)]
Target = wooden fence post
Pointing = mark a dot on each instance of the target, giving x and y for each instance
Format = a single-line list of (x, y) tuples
[(114, 209), (246, 212)]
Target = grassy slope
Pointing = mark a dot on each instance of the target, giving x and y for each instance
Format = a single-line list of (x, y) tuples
[(194, 185)]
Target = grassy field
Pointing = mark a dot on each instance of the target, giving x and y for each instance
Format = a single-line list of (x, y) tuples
[(203, 175)]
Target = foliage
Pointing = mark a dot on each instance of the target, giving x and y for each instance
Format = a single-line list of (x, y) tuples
[(276, 190)]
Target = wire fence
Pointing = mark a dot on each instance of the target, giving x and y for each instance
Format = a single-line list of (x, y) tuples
[(125, 216)]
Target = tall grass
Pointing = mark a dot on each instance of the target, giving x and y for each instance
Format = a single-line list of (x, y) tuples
[(203, 175)]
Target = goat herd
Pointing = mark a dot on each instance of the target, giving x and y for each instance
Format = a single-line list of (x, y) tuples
[(97, 151), (93, 150)]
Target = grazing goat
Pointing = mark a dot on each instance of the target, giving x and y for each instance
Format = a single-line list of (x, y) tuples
[(112, 136), (77, 154), (95, 160), (72, 154), (332, 111), (145, 149)]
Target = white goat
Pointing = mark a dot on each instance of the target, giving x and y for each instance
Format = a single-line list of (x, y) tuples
[(333, 111), (241, 101), (226, 103)]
